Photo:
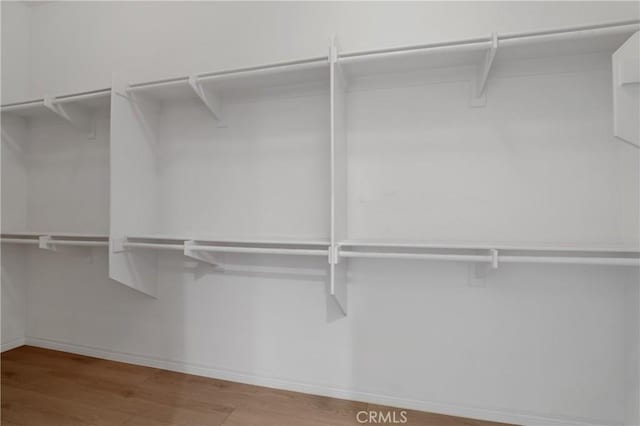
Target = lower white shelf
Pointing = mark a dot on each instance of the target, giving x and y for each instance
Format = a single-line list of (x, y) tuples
[(281, 247), (492, 254), (50, 240)]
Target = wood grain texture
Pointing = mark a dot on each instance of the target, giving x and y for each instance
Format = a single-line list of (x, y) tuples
[(43, 387)]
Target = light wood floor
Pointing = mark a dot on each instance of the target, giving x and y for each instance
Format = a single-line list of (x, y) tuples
[(42, 387)]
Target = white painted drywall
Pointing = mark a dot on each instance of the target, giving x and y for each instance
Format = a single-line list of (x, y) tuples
[(15, 36), (16, 52), (159, 39), (545, 341)]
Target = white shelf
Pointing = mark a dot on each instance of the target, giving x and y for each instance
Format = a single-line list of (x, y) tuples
[(461, 245), (36, 108), (231, 240), (221, 245), (279, 77), (49, 240), (493, 253), (471, 52)]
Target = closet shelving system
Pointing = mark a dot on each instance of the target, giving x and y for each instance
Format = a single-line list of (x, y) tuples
[(259, 152), (55, 168)]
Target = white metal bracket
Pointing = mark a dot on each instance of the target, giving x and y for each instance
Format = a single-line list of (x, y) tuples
[(117, 245), (198, 255), (479, 83), (210, 99), (629, 72), (46, 242), (334, 254), (478, 272), (74, 115), (341, 78)]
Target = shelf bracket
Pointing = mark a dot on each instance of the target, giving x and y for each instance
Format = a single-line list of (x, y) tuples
[(205, 257), (46, 242), (341, 78), (208, 97), (479, 272), (117, 245), (334, 255), (629, 72), (74, 115), (479, 83)]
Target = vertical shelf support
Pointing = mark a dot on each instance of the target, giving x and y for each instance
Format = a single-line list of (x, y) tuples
[(210, 99), (626, 91), (74, 115), (189, 251), (338, 268), (479, 86)]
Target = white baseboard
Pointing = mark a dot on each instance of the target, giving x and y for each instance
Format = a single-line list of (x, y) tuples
[(236, 376), (12, 344)]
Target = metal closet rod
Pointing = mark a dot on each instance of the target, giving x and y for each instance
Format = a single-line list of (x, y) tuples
[(75, 97), (238, 72), (84, 243), (567, 260), (508, 39), (228, 249)]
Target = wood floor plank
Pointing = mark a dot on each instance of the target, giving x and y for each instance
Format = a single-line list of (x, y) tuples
[(51, 388), (27, 408)]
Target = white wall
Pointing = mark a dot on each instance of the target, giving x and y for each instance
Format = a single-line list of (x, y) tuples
[(157, 39), (15, 87), (16, 52), (538, 343)]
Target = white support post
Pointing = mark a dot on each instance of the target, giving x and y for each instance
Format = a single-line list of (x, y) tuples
[(205, 257), (338, 269), (210, 99), (74, 115), (478, 273), (479, 84)]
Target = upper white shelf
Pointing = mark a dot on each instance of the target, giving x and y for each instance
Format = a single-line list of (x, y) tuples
[(86, 100), (470, 52), (238, 82)]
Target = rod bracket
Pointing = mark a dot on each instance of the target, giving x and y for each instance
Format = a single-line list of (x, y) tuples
[(74, 115), (479, 82), (334, 254), (210, 99), (190, 251), (44, 242), (117, 245), (479, 272)]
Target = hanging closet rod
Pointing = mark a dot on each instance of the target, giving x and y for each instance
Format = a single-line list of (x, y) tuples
[(82, 96), (79, 243), (75, 97), (259, 250), (507, 39), (17, 106), (567, 260), (228, 249), (417, 256), (257, 70), (18, 241)]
